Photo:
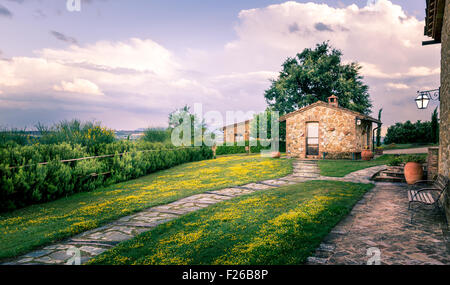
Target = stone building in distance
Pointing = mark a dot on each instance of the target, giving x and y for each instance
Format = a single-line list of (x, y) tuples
[(237, 132), (325, 130)]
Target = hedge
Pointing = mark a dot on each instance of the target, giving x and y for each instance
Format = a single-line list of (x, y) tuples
[(408, 132), (24, 182), (235, 149)]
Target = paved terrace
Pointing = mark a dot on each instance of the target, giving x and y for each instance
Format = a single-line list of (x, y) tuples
[(380, 219)]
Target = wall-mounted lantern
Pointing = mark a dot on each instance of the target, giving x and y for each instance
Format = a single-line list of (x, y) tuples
[(424, 97), (358, 122)]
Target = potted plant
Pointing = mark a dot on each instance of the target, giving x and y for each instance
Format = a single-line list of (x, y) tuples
[(276, 154), (379, 150), (366, 154), (413, 168)]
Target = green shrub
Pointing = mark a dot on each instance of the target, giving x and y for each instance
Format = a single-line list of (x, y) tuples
[(340, 155), (395, 161), (408, 132), (156, 135), (414, 158), (29, 183), (88, 134), (236, 149), (11, 137)]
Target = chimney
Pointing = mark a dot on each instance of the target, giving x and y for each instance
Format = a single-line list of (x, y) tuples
[(333, 101)]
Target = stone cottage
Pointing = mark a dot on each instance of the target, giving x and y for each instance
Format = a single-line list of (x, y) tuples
[(237, 132), (325, 130)]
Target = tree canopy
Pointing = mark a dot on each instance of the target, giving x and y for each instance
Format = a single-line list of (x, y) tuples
[(316, 74), (408, 132), (199, 128), (257, 128)]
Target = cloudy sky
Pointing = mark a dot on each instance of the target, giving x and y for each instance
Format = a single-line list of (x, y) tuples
[(129, 63)]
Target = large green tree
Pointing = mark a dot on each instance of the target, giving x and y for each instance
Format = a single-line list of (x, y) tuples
[(316, 74), (177, 117), (408, 132), (257, 127)]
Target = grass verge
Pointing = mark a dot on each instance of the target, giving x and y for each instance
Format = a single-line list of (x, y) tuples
[(340, 168), (279, 226), (38, 225)]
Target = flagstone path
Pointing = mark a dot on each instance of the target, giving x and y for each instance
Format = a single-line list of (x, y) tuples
[(379, 231), (94, 242), (85, 246)]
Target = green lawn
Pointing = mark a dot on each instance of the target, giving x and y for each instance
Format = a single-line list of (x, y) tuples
[(340, 168), (37, 225), (279, 226), (406, 146)]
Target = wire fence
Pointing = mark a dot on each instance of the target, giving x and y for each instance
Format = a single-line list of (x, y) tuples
[(100, 157)]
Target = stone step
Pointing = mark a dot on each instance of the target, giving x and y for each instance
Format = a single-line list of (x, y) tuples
[(392, 174), (389, 179)]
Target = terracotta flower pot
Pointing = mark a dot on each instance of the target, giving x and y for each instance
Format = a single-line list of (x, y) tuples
[(413, 172), (366, 154), (276, 154)]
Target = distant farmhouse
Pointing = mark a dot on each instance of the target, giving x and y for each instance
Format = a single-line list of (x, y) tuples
[(237, 132), (319, 130)]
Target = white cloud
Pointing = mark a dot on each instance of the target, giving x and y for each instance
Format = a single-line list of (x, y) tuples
[(397, 85), (381, 37), (140, 75), (423, 71), (81, 86), (8, 76), (135, 55)]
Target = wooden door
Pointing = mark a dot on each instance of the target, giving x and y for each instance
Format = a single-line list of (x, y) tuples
[(312, 138)]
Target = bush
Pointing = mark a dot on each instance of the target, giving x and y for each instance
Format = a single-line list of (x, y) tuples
[(11, 137), (29, 183), (399, 160), (414, 158), (395, 161), (403, 133), (157, 135), (236, 149), (87, 134), (340, 155)]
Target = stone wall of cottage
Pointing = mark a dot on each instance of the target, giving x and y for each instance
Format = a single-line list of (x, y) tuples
[(239, 129), (444, 140), (337, 131), (229, 134)]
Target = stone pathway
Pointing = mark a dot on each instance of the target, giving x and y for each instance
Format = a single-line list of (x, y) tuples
[(379, 227), (89, 244), (360, 176)]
